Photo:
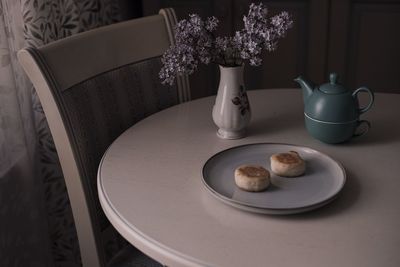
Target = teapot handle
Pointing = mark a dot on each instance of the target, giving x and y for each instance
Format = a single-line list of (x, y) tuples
[(365, 129), (371, 97)]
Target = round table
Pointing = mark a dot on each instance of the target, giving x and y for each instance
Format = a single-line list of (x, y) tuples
[(150, 187)]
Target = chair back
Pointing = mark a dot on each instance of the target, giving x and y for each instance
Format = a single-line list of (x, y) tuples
[(93, 86)]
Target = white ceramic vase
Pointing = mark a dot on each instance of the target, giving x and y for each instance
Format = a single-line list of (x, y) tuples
[(231, 112)]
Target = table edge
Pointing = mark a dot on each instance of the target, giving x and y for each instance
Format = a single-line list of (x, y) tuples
[(144, 243)]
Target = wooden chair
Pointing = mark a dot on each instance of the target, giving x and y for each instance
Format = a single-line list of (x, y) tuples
[(93, 86)]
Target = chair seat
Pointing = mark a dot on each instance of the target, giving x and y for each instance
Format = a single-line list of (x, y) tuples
[(132, 257)]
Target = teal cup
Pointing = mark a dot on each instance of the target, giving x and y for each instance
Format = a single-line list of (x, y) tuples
[(336, 132)]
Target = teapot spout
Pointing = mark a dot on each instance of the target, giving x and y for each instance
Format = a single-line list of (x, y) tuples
[(306, 86)]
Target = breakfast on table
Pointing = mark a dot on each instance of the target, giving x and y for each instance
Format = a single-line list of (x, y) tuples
[(256, 178)]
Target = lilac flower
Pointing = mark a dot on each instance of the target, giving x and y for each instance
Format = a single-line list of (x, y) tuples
[(195, 42), (178, 60), (211, 23)]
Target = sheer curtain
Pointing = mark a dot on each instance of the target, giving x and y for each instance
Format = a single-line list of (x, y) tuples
[(36, 225)]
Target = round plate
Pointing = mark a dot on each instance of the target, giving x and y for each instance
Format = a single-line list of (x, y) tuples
[(322, 181)]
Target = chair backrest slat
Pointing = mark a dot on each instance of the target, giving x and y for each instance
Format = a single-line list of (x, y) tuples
[(100, 46)]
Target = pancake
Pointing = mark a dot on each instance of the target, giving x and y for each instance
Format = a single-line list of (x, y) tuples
[(253, 178), (288, 164)]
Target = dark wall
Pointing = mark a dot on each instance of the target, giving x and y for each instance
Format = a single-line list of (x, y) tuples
[(358, 39), (130, 9)]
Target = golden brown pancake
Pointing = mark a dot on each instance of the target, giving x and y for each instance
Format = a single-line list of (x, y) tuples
[(288, 164), (252, 178)]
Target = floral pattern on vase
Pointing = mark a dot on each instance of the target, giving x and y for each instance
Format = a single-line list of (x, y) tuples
[(242, 101)]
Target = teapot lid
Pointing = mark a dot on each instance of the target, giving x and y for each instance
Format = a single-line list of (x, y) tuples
[(332, 87)]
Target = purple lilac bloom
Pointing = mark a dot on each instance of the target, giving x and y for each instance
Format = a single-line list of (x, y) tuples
[(195, 42), (211, 24)]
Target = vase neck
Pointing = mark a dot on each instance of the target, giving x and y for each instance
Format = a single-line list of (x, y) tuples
[(232, 73), (235, 68)]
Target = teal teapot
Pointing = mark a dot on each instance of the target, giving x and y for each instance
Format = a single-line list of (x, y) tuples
[(332, 113)]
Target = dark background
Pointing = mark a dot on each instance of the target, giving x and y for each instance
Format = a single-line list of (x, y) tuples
[(360, 40)]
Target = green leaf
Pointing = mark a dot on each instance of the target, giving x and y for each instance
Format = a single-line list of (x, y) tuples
[(69, 26), (36, 35), (28, 19), (69, 8)]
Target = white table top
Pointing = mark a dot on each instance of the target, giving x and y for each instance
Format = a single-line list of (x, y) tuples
[(150, 187)]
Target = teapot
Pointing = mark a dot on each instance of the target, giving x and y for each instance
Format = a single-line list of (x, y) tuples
[(332, 112)]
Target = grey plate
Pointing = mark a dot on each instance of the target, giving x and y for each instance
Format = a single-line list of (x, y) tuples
[(322, 181)]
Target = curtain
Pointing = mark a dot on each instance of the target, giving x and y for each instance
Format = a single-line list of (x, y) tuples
[(36, 225)]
